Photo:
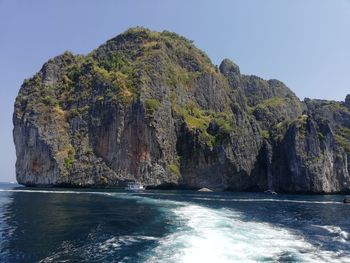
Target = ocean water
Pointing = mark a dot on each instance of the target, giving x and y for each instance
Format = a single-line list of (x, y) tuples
[(85, 225)]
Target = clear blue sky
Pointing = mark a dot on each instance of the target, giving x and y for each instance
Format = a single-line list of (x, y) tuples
[(306, 44)]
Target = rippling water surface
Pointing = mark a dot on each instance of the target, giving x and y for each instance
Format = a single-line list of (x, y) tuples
[(66, 225)]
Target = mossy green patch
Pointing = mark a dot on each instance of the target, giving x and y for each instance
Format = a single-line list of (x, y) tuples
[(343, 142), (343, 138), (174, 169), (300, 123), (273, 102), (198, 119), (48, 100), (120, 85), (279, 130), (345, 132), (265, 134), (69, 160), (336, 106), (117, 61), (73, 113), (194, 117), (152, 105)]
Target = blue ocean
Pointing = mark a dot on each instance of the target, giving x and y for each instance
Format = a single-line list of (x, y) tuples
[(89, 225)]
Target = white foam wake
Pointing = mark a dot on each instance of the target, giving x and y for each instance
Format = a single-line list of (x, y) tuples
[(220, 235), (338, 234), (210, 235)]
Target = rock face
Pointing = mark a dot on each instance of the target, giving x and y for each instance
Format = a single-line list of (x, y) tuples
[(151, 107)]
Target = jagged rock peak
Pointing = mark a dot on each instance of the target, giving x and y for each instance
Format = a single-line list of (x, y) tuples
[(228, 67)]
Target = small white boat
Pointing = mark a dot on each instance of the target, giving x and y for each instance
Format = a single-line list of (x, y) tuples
[(347, 199), (134, 186), (271, 192)]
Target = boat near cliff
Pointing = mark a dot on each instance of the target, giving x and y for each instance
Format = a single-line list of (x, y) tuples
[(347, 199), (134, 186), (270, 192)]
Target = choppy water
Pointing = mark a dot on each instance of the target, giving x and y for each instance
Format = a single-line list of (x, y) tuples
[(60, 225)]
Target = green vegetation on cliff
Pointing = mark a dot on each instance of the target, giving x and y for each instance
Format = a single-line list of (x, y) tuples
[(200, 120), (343, 138)]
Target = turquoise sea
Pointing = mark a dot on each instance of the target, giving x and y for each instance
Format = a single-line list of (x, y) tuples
[(89, 225)]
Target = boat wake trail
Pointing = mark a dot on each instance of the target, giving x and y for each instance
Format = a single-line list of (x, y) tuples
[(208, 235), (200, 233)]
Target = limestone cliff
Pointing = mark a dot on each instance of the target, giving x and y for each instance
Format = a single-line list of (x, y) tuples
[(151, 107)]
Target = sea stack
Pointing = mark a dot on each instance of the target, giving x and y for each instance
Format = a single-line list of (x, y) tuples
[(151, 107)]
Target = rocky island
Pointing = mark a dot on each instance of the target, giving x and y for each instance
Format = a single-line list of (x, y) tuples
[(150, 107)]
